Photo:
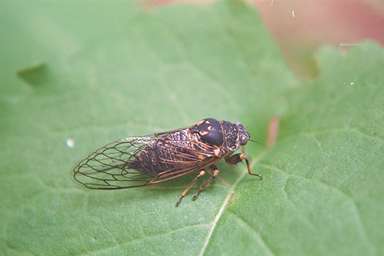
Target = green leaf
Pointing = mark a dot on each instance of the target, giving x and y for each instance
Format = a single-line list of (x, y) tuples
[(75, 76)]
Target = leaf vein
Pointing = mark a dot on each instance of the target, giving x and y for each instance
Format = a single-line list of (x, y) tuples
[(90, 252), (348, 197), (259, 237), (224, 204)]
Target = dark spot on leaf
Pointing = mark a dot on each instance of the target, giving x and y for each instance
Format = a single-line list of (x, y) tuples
[(35, 75)]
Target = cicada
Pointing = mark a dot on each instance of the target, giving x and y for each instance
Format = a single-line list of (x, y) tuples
[(151, 159)]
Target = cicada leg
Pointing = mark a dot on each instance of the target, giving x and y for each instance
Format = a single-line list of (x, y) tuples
[(214, 171), (236, 158), (189, 187)]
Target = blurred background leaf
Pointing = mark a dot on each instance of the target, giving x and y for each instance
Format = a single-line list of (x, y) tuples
[(77, 75)]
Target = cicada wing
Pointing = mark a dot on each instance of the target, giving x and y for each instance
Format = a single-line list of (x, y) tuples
[(182, 158), (109, 166)]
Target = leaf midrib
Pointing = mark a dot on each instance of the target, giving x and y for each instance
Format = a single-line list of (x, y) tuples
[(222, 208)]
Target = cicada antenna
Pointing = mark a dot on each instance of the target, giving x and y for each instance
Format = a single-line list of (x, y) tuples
[(255, 141)]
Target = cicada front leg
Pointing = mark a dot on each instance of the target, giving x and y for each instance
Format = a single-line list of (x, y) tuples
[(239, 157)]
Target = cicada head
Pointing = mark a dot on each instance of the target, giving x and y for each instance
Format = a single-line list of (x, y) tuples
[(235, 135), (243, 134)]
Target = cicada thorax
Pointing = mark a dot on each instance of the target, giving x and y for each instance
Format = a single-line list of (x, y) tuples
[(209, 131), (226, 135)]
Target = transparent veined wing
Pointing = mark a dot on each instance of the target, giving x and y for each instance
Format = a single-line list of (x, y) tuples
[(121, 164), (108, 167)]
